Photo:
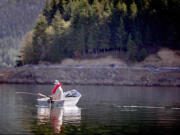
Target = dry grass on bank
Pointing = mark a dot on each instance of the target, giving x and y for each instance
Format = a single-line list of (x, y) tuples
[(164, 57)]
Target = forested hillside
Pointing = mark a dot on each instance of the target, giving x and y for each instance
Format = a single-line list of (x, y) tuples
[(75, 28), (17, 17)]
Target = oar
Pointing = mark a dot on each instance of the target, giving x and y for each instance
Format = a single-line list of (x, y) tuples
[(38, 94)]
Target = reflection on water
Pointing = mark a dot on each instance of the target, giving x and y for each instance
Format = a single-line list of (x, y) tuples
[(58, 116), (102, 110)]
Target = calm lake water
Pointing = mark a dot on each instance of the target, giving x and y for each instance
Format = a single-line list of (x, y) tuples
[(102, 110)]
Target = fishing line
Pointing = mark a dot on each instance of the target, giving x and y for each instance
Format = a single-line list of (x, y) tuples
[(38, 94)]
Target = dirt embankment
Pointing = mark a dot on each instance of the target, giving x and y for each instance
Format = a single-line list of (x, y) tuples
[(94, 76), (104, 71), (164, 57)]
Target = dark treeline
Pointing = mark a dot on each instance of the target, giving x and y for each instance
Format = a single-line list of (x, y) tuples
[(75, 28), (17, 17)]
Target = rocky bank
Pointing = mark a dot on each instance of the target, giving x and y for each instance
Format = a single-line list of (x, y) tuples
[(162, 69), (106, 75)]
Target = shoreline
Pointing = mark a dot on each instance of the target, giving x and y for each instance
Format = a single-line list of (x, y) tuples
[(15, 83), (78, 75)]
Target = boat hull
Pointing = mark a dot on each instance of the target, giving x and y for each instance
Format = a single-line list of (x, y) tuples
[(69, 101), (66, 101)]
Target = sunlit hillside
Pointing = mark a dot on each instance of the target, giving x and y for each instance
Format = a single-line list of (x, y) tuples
[(16, 18)]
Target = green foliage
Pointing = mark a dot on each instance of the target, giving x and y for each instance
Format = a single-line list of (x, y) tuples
[(131, 48), (120, 35), (26, 49), (58, 24), (142, 54), (39, 39), (133, 9), (74, 28), (122, 7)]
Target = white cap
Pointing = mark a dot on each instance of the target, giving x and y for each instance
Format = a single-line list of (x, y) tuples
[(56, 82)]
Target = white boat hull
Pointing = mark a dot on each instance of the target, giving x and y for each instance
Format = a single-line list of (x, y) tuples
[(66, 101)]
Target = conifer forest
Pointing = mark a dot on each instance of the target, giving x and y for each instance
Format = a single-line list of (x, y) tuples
[(89, 28)]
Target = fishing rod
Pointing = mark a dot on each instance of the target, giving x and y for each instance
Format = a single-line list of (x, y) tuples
[(35, 94), (38, 94)]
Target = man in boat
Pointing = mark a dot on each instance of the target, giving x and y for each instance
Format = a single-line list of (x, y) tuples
[(57, 92)]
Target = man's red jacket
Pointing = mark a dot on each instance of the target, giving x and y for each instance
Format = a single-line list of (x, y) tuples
[(55, 88)]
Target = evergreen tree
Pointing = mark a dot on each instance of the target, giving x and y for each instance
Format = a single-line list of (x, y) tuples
[(58, 24), (107, 8), (39, 38), (138, 38), (131, 48), (147, 37), (104, 37), (133, 9), (79, 40), (120, 35), (49, 45), (71, 27), (50, 10), (62, 5), (91, 43), (26, 49), (142, 54), (122, 7)]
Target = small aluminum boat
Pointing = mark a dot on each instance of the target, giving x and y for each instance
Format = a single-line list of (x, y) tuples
[(70, 98)]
